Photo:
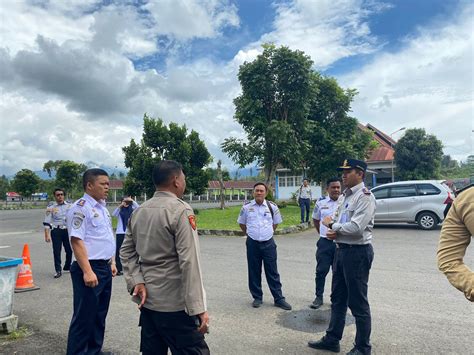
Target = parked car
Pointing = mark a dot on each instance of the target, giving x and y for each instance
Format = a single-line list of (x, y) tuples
[(418, 201)]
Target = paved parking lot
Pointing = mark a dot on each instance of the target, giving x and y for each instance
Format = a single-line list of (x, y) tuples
[(415, 310)]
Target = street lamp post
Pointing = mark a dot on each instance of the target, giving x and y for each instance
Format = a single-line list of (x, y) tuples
[(391, 145)]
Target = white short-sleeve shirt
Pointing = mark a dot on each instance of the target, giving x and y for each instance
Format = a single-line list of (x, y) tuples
[(258, 219), (90, 221), (323, 208)]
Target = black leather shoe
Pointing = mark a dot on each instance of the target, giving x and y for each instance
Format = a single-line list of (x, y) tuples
[(67, 268), (283, 305), (325, 344), (57, 275), (355, 351), (256, 303), (318, 302), (119, 273)]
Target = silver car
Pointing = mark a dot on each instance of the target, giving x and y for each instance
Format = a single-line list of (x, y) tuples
[(418, 201)]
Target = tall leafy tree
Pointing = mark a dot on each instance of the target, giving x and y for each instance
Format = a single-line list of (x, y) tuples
[(418, 155), (69, 176), (159, 142), (51, 166), (294, 117), (25, 182), (333, 135), (4, 187), (272, 109)]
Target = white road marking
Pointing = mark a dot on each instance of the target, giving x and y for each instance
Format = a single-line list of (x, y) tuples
[(15, 233), (4, 246)]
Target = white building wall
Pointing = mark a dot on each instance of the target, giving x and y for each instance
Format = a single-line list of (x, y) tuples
[(287, 183)]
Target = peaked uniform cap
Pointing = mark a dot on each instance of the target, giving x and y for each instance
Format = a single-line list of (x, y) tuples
[(353, 164)]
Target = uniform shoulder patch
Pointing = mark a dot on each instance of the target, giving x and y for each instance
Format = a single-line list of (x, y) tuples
[(81, 202), (192, 221), (366, 191)]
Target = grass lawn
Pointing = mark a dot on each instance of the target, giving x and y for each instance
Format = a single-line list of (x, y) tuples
[(227, 219)]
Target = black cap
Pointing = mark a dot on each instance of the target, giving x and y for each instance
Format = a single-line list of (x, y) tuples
[(353, 164)]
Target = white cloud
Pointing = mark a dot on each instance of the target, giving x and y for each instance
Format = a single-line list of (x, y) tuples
[(186, 19), (428, 84), (326, 30)]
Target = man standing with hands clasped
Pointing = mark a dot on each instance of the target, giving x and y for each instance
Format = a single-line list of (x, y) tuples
[(351, 228), (258, 219), (161, 262)]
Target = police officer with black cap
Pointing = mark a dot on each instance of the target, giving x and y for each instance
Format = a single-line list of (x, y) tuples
[(351, 229)]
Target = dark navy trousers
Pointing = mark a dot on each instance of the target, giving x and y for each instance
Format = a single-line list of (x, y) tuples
[(350, 277), (118, 243), (305, 205), (325, 250), (266, 252), (60, 238), (91, 304)]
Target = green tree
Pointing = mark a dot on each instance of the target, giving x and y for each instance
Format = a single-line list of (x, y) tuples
[(25, 182), (51, 166), (333, 135), (418, 155), (4, 187), (69, 176), (272, 109), (294, 117), (170, 142), (213, 174)]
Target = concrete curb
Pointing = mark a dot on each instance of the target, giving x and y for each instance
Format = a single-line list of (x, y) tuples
[(234, 233)]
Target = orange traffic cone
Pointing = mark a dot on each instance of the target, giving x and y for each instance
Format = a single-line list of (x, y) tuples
[(24, 281)]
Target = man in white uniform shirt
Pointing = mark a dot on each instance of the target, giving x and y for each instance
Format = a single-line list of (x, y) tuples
[(92, 240), (258, 219), (304, 196), (325, 248)]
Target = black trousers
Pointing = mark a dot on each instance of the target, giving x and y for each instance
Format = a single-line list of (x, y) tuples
[(324, 258), (176, 331), (91, 304), (305, 205), (118, 244), (266, 252), (350, 277), (59, 238)]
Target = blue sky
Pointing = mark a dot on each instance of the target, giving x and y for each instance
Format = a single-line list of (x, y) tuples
[(85, 71)]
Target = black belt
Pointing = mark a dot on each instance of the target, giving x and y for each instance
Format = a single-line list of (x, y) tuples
[(58, 227), (344, 245), (259, 241), (99, 261)]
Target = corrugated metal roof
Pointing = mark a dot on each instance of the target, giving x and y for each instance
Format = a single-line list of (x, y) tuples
[(232, 184)]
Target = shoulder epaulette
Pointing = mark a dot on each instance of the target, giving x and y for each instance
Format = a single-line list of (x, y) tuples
[(366, 191), (247, 202), (464, 189), (272, 203), (322, 198), (81, 202)]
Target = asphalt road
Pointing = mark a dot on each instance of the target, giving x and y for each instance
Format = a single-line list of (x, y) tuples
[(414, 309)]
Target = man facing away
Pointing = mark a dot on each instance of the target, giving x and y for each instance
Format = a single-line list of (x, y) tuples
[(161, 262)]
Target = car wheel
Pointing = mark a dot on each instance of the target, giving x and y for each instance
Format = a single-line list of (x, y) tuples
[(427, 220)]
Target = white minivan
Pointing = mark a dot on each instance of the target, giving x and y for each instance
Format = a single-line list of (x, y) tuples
[(417, 201)]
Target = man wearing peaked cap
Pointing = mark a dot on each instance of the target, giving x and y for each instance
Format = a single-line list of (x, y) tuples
[(351, 228)]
